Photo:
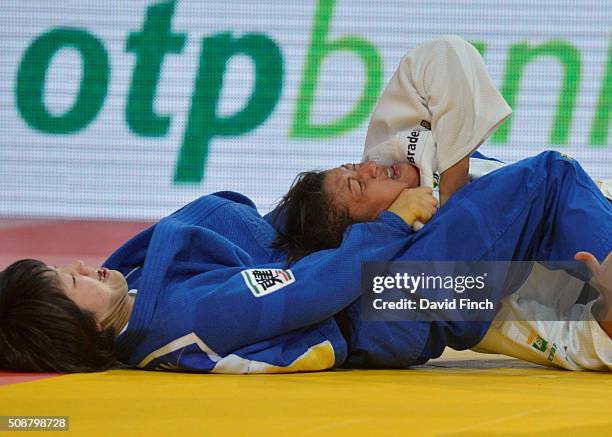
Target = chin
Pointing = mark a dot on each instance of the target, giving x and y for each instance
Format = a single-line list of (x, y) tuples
[(117, 282), (410, 175)]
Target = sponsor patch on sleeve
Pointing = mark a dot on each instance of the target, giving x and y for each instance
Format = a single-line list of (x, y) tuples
[(426, 124), (266, 281)]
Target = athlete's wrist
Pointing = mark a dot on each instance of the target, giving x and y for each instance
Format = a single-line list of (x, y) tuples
[(405, 214)]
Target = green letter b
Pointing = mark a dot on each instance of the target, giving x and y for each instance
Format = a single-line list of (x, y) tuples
[(319, 49)]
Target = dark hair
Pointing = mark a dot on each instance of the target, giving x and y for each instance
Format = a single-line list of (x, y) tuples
[(42, 330), (312, 221)]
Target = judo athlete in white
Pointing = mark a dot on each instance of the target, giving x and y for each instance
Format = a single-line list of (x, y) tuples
[(439, 106)]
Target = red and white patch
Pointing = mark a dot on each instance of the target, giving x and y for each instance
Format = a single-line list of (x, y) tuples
[(266, 281)]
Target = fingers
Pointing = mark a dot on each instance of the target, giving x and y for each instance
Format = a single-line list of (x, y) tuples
[(424, 211), (431, 207), (424, 193), (424, 205), (432, 200), (415, 204), (590, 261)]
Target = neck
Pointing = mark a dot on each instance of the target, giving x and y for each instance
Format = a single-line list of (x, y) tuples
[(120, 314)]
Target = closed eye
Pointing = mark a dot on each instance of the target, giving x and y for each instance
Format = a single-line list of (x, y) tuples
[(358, 190)]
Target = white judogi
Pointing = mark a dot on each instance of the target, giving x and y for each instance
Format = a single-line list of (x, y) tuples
[(542, 333), (439, 106), (442, 91)]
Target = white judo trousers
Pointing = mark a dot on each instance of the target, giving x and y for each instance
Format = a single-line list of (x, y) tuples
[(542, 323), (438, 107)]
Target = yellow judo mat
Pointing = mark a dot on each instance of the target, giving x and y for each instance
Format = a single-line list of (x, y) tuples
[(464, 394)]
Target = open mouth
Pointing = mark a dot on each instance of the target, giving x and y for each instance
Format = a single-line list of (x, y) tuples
[(103, 274), (393, 172)]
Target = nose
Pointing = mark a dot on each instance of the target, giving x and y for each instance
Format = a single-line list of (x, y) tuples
[(80, 268), (72, 267), (368, 170)]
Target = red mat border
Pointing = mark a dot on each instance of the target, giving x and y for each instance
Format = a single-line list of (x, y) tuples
[(8, 378)]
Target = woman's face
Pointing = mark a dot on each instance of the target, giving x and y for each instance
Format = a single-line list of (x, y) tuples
[(97, 290), (367, 189)]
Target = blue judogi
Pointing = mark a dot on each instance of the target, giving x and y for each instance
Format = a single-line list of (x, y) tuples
[(197, 310), (214, 297), (544, 208)]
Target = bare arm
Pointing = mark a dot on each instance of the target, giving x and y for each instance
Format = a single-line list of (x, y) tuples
[(453, 179)]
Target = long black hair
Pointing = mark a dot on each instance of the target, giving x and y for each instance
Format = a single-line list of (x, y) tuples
[(312, 221)]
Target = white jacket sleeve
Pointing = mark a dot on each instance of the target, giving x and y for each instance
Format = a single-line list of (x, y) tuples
[(528, 330), (442, 84)]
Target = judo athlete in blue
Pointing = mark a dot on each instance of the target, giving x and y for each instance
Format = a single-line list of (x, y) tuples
[(213, 297)]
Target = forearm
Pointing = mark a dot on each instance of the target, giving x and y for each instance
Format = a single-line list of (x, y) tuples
[(453, 179)]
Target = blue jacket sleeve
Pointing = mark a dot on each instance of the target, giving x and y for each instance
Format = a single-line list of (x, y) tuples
[(254, 303)]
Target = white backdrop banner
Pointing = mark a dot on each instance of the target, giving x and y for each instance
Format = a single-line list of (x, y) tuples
[(129, 109)]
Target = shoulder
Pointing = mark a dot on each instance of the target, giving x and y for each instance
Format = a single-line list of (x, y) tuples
[(235, 197), (202, 207)]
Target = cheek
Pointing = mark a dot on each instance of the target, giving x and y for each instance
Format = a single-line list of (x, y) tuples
[(384, 195), (394, 190), (412, 176), (84, 301), (90, 298)]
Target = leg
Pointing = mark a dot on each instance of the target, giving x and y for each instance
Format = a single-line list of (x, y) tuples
[(572, 338), (544, 209), (534, 332)]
